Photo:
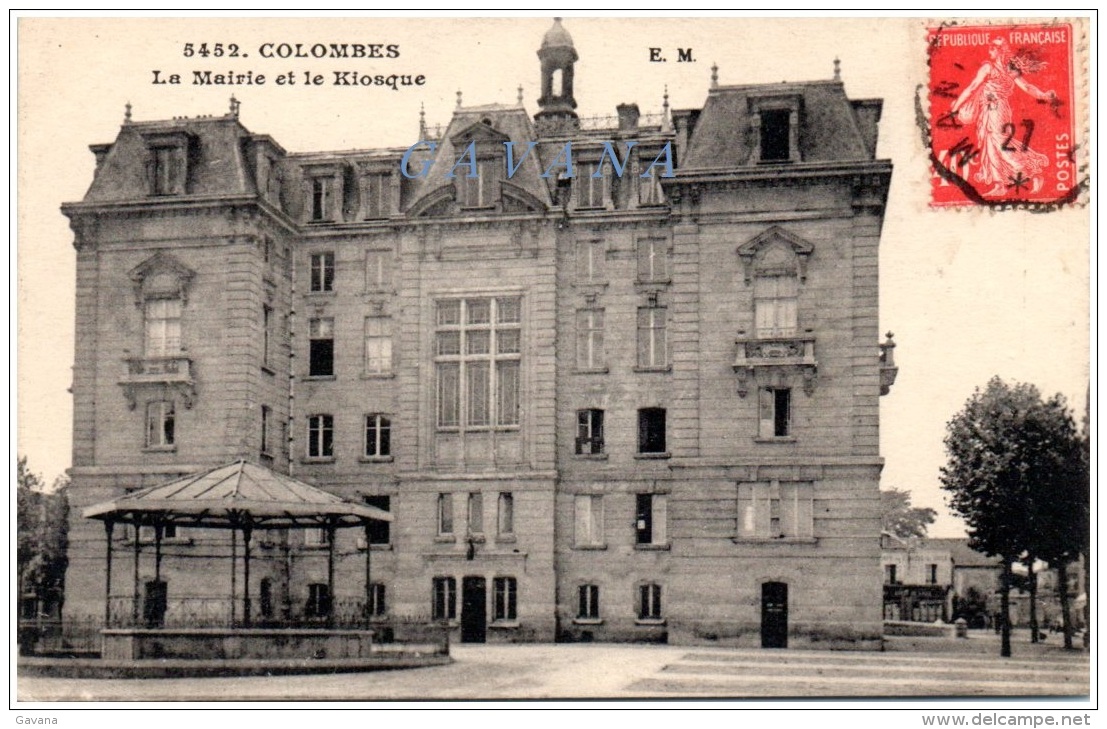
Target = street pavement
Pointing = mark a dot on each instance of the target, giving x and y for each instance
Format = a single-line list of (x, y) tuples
[(626, 671)]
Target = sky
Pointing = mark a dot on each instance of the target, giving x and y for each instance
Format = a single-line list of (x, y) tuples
[(969, 293)]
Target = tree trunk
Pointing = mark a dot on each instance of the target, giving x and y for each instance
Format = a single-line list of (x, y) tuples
[(1032, 584), (1063, 593), (1005, 610), (1087, 599)]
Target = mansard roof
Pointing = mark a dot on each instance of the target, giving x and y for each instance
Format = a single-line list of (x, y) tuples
[(216, 165), (832, 128)]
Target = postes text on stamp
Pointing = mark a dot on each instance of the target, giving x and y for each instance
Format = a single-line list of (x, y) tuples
[(1001, 115)]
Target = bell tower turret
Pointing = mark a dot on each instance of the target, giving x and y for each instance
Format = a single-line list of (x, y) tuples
[(557, 105)]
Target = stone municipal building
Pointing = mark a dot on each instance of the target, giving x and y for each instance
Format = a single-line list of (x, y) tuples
[(622, 402)]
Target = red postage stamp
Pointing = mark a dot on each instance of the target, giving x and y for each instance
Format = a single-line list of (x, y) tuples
[(1001, 117)]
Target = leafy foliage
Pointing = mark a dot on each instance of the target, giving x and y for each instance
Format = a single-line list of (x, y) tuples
[(898, 517), (42, 535), (1018, 475)]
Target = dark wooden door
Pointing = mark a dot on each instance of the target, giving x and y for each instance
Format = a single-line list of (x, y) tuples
[(474, 607), (774, 615)]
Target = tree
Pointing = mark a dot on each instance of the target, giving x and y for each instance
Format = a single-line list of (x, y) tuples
[(898, 517), (42, 525), (1012, 458)]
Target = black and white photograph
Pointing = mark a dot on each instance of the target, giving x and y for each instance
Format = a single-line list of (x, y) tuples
[(391, 361)]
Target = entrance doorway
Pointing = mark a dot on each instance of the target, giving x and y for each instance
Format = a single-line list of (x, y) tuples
[(774, 615), (474, 607)]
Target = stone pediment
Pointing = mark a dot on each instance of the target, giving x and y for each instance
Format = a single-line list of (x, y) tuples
[(161, 276), (775, 251), (480, 132)]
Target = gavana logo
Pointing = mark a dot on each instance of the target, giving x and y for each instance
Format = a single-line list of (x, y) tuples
[(564, 160)]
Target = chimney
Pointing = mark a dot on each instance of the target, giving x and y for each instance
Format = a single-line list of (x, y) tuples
[(628, 117)]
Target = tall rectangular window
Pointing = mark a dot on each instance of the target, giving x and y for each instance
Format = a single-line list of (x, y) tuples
[(266, 426), (776, 135), (589, 432), (503, 598), (378, 345), (653, 351), (166, 170), (266, 335), (649, 602), (775, 418), (380, 532), (476, 513), (378, 436), (321, 347), (445, 514), (589, 602), (320, 198), (163, 327), (590, 260), (590, 349), (588, 520), (483, 190), (444, 601), (321, 436), (505, 520), (591, 188), (378, 607), (649, 189), (378, 270), (160, 424), (322, 272), (775, 303), (319, 601), (651, 515), (653, 260), (889, 574), (478, 354), (651, 430), (932, 574), (377, 193)]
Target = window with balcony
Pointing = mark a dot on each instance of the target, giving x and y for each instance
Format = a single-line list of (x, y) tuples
[(478, 355), (589, 441), (321, 348), (163, 327), (161, 425), (775, 301), (320, 436)]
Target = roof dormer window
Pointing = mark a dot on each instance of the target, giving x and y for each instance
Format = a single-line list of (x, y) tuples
[(775, 129), (167, 162)]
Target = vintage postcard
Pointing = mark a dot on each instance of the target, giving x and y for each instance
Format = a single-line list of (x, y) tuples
[(540, 357)]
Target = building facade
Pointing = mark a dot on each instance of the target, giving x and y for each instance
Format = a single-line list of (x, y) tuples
[(614, 382)]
